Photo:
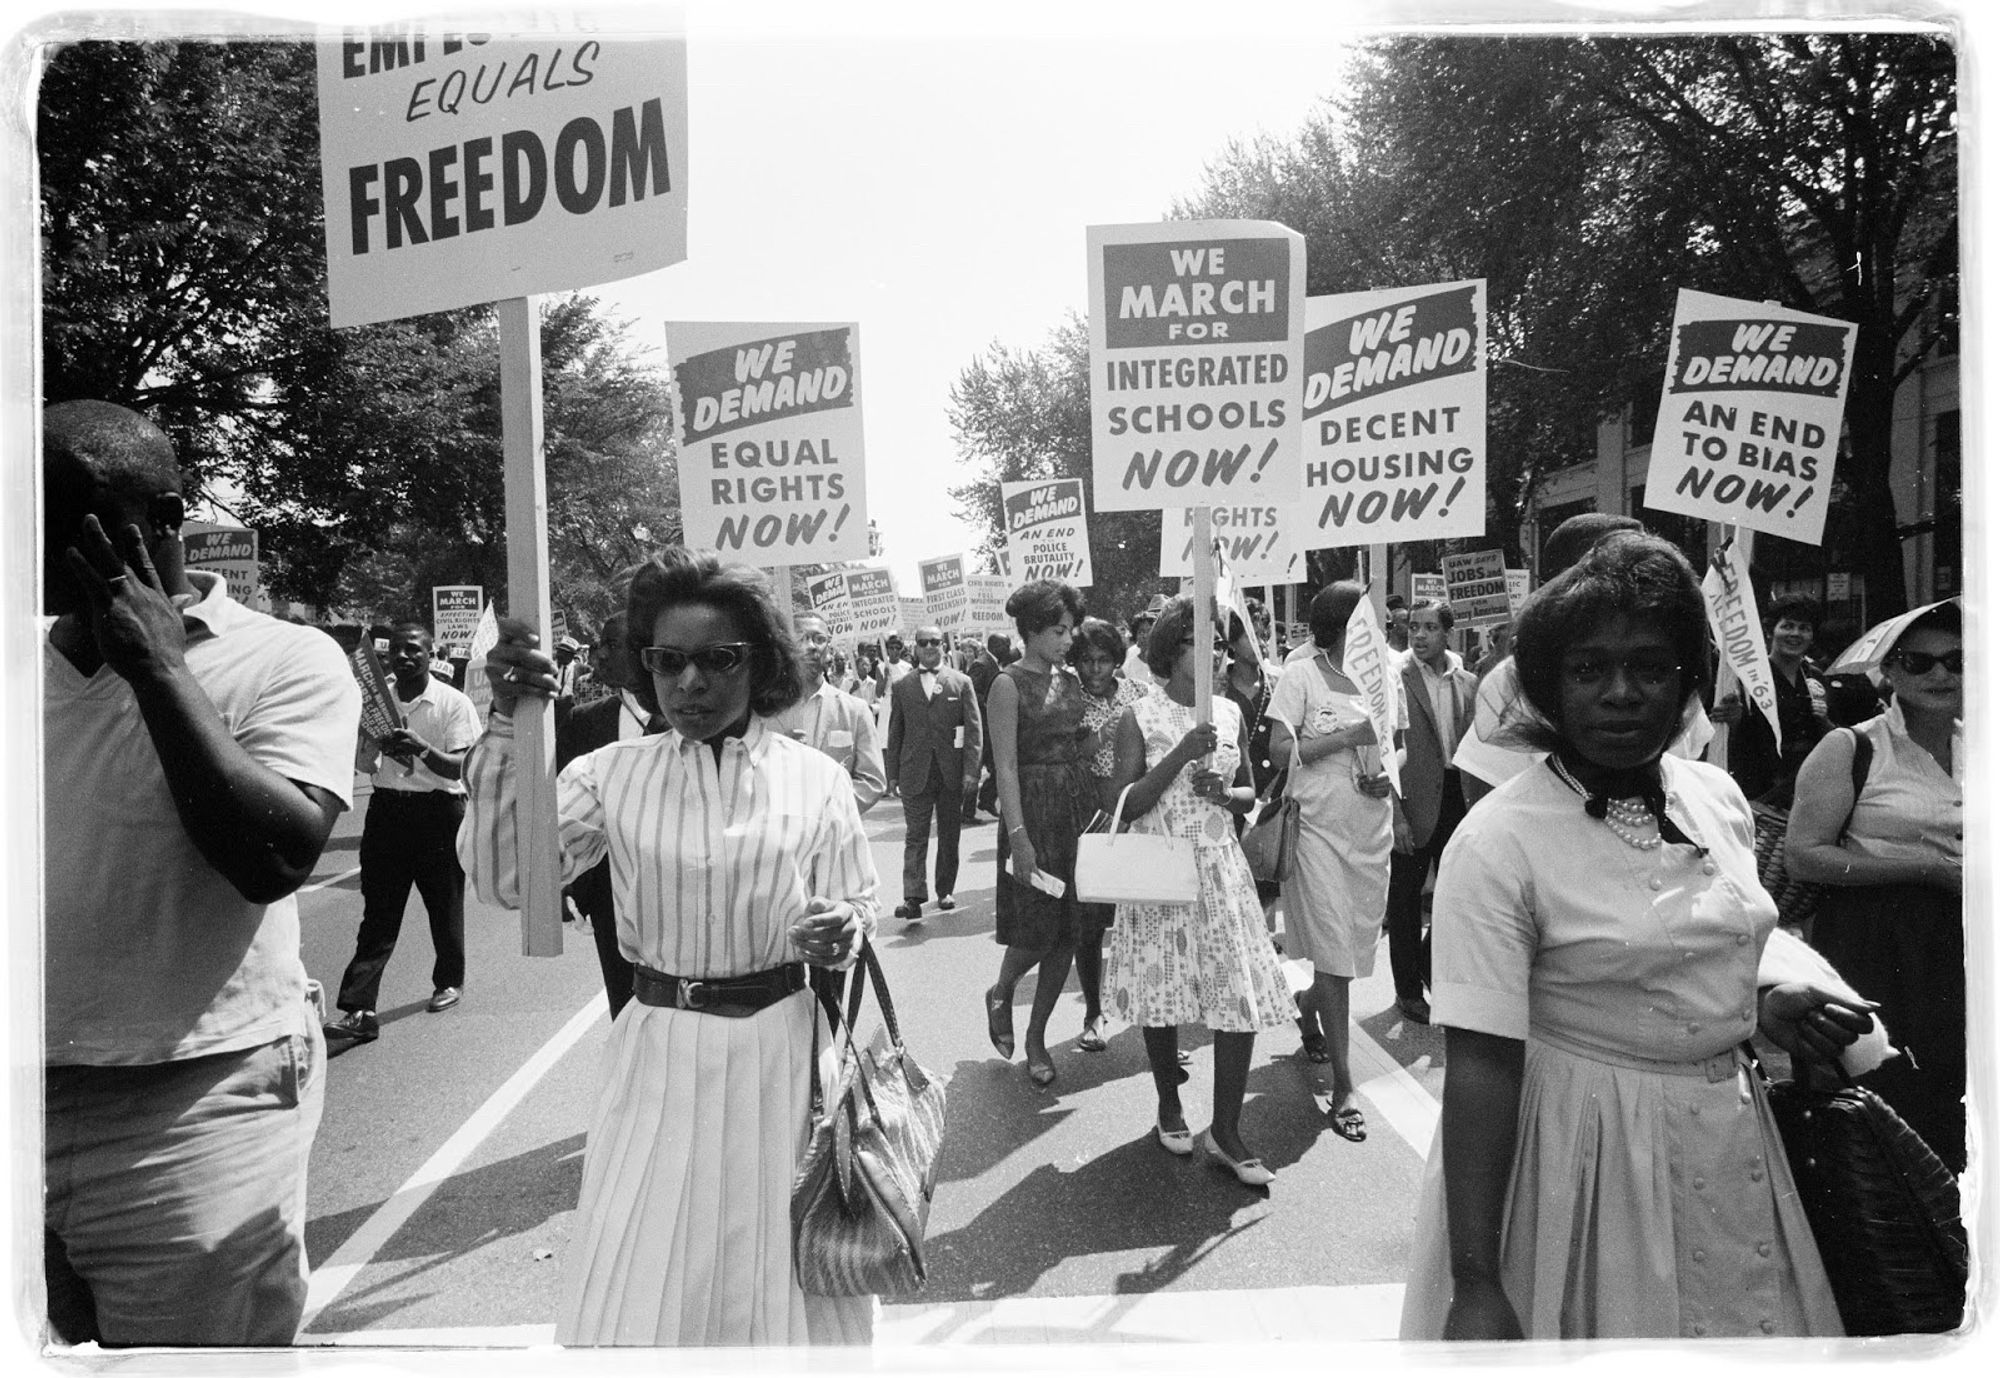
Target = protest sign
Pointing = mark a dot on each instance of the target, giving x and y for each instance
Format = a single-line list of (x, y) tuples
[(989, 594), (1395, 415), (828, 594), (768, 417), (1258, 543), (1739, 634), (1425, 586), (911, 614), (871, 594), (1519, 583), (485, 636), (1366, 659), (1195, 331), (230, 551), (379, 713), (1750, 412), (1476, 584), (455, 612), (947, 600), (1048, 536), (460, 168)]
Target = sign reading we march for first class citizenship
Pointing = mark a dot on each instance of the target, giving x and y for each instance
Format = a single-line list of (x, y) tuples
[(461, 168), (769, 423), (1195, 334), (1750, 415)]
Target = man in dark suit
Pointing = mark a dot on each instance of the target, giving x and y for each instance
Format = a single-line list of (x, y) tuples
[(933, 758), (1439, 692), (598, 724)]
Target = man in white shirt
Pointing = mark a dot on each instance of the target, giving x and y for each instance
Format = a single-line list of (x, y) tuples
[(831, 722), (410, 837), (1141, 627), (195, 756)]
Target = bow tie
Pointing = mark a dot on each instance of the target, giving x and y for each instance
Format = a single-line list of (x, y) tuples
[(922, 671)]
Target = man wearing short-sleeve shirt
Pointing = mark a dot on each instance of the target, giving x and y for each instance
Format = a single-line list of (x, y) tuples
[(195, 756), (410, 837)]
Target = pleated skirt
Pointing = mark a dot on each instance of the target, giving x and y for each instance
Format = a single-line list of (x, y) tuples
[(683, 1232), (1641, 1205)]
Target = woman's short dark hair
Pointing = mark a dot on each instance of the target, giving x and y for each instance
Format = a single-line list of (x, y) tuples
[(677, 576), (1331, 607), (1627, 573), (1795, 609), (1038, 606), (1163, 643), (1095, 634)]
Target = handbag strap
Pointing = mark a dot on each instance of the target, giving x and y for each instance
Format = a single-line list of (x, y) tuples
[(1118, 810), (867, 971), (1298, 761)]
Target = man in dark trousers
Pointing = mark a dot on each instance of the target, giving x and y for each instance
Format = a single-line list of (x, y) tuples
[(410, 837), (618, 718), (983, 669), (1440, 693), (933, 759)]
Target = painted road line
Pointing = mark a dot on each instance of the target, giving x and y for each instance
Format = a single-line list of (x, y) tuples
[(330, 880), (333, 1276), (1410, 1110), (1334, 1315)]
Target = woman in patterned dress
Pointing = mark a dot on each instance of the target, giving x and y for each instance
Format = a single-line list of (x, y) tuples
[(1209, 962), (1034, 714), (1097, 652)]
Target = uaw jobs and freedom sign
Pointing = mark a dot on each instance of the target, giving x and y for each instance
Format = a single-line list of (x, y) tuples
[(468, 167)]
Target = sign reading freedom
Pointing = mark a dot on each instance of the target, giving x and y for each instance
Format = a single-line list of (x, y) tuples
[(461, 168)]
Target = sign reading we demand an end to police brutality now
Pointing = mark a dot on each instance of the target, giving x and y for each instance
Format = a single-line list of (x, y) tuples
[(1048, 531), (461, 168), (1195, 336), (1750, 415), (1395, 415), (769, 423)]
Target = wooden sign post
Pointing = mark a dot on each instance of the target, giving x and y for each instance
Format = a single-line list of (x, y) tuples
[(1204, 621)]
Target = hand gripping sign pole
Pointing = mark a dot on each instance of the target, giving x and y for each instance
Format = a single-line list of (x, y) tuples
[(528, 597)]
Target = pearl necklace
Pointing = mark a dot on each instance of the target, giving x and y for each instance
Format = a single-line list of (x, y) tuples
[(1628, 819)]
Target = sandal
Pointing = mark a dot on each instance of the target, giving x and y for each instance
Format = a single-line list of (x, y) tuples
[(1313, 1046), (1348, 1123), (1000, 1023), (1091, 1040)]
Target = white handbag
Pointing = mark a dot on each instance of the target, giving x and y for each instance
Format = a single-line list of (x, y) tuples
[(1134, 868)]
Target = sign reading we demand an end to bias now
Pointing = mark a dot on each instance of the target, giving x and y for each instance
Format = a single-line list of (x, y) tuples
[(461, 168), (769, 423), (1195, 331), (1750, 415), (1395, 415), (1048, 531)]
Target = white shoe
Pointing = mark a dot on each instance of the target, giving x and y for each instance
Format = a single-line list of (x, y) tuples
[(1179, 1142), (1251, 1172)]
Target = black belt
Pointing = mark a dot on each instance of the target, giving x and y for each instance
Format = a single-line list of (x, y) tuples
[(384, 793), (729, 996)]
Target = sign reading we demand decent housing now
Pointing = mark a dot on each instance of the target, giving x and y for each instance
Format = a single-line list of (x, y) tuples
[(467, 167), (769, 423), (1750, 415), (1195, 332), (1395, 415)]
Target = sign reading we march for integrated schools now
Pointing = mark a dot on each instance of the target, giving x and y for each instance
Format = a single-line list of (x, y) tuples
[(1048, 532), (1195, 332), (1395, 415), (1750, 415), (871, 594), (461, 168), (769, 423)]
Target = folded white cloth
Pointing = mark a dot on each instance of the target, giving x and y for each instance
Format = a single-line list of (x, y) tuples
[(1788, 958)]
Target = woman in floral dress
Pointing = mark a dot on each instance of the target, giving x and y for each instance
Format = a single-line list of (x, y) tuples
[(1209, 962)]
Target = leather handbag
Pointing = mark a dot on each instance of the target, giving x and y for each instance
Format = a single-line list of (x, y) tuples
[(1798, 900), (1271, 842), (1884, 1210), (1134, 868), (862, 1197)]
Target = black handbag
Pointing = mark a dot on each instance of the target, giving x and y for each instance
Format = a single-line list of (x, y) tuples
[(1884, 1210), (1798, 900)]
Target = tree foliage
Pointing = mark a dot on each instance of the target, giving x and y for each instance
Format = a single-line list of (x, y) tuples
[(184, 276), (1025, 414)]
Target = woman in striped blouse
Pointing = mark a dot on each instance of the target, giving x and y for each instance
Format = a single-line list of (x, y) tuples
[(737, 857)]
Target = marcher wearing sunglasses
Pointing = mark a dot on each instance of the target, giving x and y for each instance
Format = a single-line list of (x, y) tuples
[(1922, 662), (723, 658)]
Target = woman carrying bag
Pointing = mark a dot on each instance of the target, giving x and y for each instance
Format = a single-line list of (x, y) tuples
[(1209, 962)]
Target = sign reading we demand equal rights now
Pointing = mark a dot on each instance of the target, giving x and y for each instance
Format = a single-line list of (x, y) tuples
[(1048, 531), (1195, 334), (461, 168), (1395, 415), (769, 423), (1750, 415)]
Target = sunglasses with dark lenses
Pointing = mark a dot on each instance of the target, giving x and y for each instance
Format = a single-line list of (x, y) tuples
[(719, 659), (929, 641), (1920, 662)]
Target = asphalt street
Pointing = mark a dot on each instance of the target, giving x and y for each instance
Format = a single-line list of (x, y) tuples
[(445, 1176)]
